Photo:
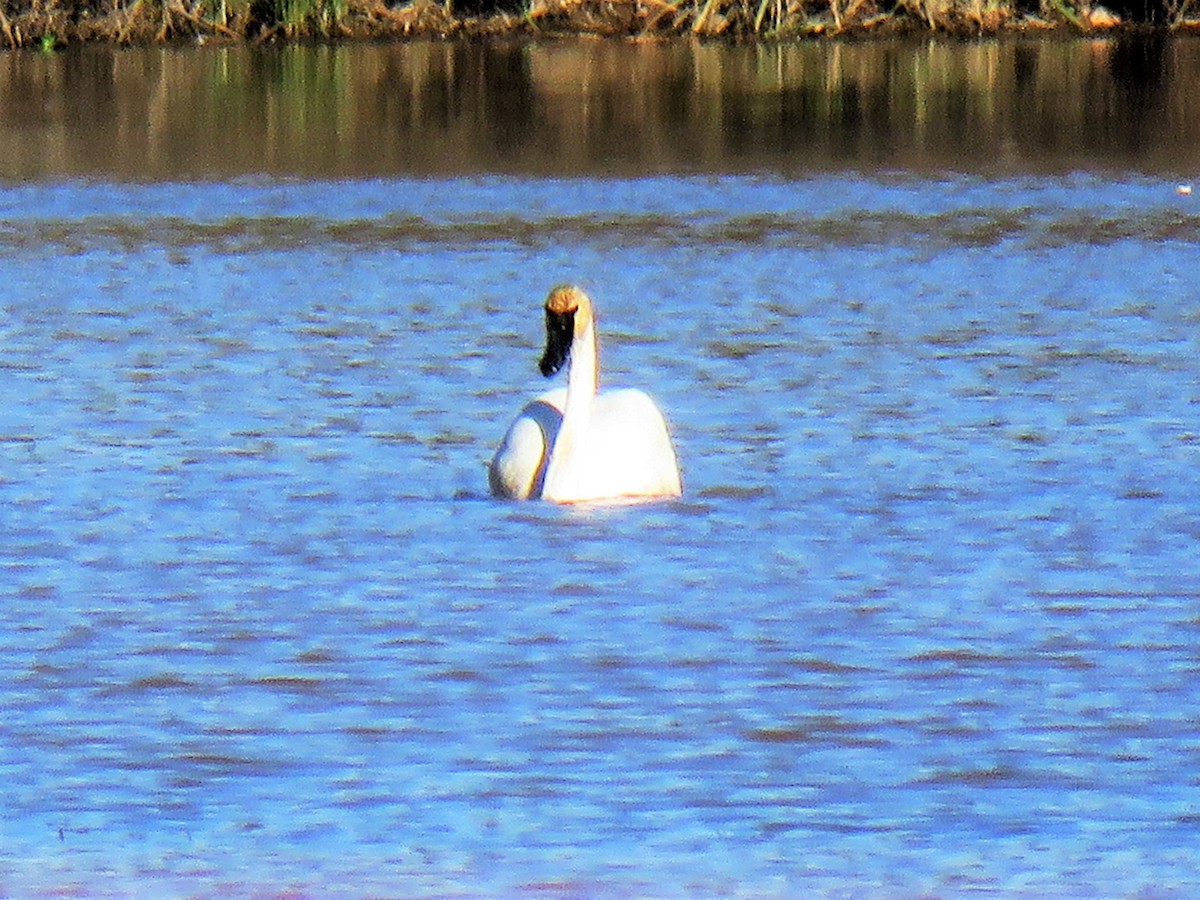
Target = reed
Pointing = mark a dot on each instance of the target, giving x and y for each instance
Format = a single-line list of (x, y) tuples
[(301, 18), (53, 23)]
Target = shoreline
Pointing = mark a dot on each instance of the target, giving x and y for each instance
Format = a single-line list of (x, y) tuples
[(53, 26)]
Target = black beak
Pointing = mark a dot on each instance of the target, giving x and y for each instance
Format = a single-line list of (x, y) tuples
[(560, 331)]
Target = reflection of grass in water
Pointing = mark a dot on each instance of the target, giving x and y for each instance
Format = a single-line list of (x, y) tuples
[(690, 105)]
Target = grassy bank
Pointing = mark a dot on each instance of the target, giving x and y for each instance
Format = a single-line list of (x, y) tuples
[(47, 24)]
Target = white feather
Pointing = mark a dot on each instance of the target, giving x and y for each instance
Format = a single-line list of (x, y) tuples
[(576, 444)]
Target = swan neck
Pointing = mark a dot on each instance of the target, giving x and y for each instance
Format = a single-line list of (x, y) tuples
[(566, 465), (583, 376)]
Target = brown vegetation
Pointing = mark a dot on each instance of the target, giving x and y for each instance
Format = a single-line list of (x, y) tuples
[(48, 24)]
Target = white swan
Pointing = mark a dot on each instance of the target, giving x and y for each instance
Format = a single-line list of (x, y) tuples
[(574, 444)]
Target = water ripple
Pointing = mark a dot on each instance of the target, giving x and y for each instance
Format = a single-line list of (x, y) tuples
[(965, 228), (923, 622)]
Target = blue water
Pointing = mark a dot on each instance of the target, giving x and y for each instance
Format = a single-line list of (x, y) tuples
[(925, 621)]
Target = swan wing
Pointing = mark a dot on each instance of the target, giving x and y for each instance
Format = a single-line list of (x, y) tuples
[(519, 465)]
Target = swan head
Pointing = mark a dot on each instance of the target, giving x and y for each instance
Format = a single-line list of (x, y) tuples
[(568, 312)]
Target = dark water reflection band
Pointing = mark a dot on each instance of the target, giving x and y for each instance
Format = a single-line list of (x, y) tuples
[(601, 108)]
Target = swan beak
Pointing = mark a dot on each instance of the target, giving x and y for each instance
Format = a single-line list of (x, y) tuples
[(560, 331)]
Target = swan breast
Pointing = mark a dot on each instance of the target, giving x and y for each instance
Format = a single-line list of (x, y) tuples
[(632, 421), (628, 452)]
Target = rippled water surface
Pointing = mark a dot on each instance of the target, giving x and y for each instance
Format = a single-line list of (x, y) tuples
[(925, 620)]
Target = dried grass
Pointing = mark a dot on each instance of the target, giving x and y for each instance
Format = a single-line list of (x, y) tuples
[(51, 23)]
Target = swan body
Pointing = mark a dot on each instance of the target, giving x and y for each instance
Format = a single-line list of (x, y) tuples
[(576, 444)]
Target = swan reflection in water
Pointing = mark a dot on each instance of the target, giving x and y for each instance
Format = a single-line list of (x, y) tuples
[(576, 444)]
